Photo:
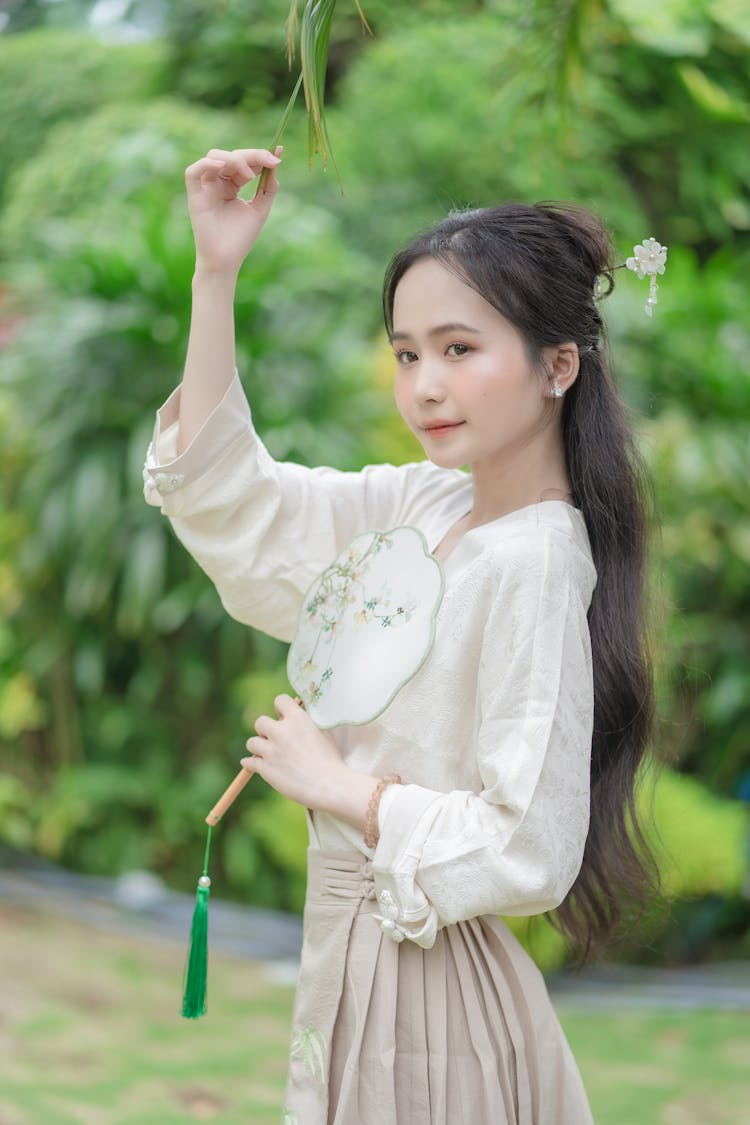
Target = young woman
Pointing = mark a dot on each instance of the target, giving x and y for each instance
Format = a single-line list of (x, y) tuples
[(499, 781)]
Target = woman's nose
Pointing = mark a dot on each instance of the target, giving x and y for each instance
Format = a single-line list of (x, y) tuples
[(429, 385)]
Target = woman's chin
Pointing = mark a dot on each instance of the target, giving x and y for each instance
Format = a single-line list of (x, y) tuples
[(444, 459)]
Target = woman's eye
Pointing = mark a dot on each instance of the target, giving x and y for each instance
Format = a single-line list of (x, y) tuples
[(406, 357), (458, 349)]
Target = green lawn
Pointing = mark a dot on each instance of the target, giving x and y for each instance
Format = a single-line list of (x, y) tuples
[(90, 1033)]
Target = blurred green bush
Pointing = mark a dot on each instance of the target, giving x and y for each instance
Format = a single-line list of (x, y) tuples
[(49, 77), (117, 663)]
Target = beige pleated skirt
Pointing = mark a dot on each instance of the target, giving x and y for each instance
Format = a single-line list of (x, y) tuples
[(388, 1033)]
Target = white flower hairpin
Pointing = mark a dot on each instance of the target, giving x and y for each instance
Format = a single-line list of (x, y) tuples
[(650, 258)]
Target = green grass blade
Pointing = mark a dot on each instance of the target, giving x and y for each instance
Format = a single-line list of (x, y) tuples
[(314, 42), (363, 17), (291, 31), (287, 114), (280, 129)]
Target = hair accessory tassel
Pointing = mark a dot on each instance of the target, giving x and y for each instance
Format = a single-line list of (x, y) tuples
[(650, 259)]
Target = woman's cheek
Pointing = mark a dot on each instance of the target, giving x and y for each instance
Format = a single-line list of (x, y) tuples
[(400, 394)]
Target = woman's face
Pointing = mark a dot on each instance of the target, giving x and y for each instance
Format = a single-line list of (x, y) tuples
[(464, 384)]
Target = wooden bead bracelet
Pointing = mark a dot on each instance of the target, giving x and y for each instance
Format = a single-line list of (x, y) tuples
[(372, 832)]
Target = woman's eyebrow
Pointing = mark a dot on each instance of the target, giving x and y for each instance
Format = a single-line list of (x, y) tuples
[(439, 330)]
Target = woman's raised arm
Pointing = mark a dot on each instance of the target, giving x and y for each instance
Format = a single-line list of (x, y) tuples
[(225, 228)]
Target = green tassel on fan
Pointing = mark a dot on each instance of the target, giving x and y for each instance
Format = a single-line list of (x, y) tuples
[(196, 970)]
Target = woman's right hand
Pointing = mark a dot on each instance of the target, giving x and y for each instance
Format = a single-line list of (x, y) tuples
[(225, 227)]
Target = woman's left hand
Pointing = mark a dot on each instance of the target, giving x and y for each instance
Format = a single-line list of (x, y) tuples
[(294, 756)]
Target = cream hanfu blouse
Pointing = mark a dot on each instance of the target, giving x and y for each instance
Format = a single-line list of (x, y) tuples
[(492, 736)]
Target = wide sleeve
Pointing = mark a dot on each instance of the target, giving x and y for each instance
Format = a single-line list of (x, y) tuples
[(516, 847), (263, 530)]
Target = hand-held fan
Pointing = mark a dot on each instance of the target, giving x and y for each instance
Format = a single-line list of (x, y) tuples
[(366, 627)]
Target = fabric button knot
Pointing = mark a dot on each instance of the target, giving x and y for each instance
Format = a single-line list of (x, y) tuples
[(168, 482), (387, 904), (389, 927)]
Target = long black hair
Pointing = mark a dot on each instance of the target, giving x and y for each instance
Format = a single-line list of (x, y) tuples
[(544, 267)]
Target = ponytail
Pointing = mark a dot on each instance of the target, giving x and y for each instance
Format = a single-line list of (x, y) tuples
[(611, 487)]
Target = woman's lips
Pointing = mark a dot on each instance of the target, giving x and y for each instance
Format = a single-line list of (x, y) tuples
[(442, 430)]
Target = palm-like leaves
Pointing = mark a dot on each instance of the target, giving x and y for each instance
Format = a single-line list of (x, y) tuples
[(559, 38), (314, 39)]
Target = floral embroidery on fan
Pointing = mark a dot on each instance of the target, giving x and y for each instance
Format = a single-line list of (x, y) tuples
[(342, 590), (309, 1045)]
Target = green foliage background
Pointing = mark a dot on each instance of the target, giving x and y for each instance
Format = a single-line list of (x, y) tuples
[(125, 692)]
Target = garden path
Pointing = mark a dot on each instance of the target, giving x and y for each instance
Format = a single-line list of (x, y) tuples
[(140, 904)]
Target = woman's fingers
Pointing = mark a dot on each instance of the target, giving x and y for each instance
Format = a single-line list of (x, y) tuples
[(257, 157), (205, 169), (252, 765), (244, 163), (264, 726), (285, 705), (232, 170), (212, 169)]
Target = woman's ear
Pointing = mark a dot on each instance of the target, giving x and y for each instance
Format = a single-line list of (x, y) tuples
[(562, 362)]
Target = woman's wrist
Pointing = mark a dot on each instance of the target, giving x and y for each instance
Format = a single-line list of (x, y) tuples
[(355, 798), (346, 794), (219, 279), (372, 826)]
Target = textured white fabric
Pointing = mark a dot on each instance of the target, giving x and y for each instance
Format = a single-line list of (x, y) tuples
[(492, 736)]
